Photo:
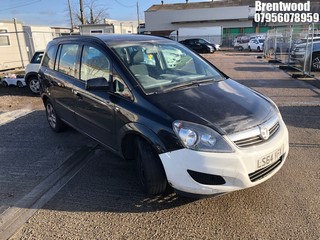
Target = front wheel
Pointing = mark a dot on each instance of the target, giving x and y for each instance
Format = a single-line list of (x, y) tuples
[(20, 84), (54, 121), (150, 171), (315, 63)]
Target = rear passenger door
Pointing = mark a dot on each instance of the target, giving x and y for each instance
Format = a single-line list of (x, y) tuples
[(60, 78), (94, 110)]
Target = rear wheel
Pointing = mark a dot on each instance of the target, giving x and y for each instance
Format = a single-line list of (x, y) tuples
[(54, 121), (34, 85), (150, 171), (270, 52), (4, 84)]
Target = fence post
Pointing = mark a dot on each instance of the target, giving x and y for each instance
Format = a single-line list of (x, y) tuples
[(311, 49), (19, 46), (275, 44), (306, 52)]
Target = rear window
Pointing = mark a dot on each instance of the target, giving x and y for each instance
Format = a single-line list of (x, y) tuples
[(37, 57)]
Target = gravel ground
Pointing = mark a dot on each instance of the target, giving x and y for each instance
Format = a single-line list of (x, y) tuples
[(104, 201), (13, 98)]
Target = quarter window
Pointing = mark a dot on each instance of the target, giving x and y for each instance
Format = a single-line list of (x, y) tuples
[(120, 88), (94, 64), (48, 60), (68, 59)]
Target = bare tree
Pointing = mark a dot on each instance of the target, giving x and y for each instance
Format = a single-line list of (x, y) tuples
[(94, 13)]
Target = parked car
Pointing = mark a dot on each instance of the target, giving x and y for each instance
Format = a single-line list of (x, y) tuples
[(189, 126), (256, 44), (306, 52), (200, 45), (31, 72), (240, 43), (276, 44), (15, 80)]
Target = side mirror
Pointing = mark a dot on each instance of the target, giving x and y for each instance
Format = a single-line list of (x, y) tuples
[(99, 83)]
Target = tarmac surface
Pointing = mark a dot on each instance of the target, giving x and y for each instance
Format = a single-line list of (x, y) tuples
[(65, 186)]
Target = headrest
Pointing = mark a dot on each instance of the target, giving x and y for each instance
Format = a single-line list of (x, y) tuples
[(137, 57)]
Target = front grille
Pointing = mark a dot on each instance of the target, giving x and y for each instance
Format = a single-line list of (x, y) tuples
[(261, 173), (250, 141), (208, 179)]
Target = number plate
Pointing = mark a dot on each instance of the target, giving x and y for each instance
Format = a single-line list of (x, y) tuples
[(270, 158)]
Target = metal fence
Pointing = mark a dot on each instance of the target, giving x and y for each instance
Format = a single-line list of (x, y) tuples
[(211, 38), (239, 41), (297, 47)]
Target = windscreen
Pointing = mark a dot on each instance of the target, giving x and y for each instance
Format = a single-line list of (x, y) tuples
[(158, 67)]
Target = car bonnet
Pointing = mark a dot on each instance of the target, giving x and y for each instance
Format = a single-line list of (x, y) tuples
[(226, 106)]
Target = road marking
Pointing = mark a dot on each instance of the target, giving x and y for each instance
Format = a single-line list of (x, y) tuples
[(7, 117), (14, 217), (299, 104)]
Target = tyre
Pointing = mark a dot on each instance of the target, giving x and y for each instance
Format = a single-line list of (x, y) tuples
[(270, 52), (258, 49), (150, 171), (240, 48), (54, 121), (19, 84), (4, 84), (34, 85), (249, 48), (315, 65)]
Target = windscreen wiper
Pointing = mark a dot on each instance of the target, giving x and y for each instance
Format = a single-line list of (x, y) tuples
[(189, 84)]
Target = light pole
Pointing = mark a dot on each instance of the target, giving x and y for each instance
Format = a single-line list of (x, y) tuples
[(138, 18), (70, 12), (83, 21)]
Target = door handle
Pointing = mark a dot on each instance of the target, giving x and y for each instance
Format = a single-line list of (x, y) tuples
[(77, 94)]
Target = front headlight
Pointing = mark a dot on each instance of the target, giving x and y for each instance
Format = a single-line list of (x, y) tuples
[(300, 50), (200, 138)]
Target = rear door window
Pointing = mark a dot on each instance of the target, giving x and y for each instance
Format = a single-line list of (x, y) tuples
[(49, 57), (68, 59)]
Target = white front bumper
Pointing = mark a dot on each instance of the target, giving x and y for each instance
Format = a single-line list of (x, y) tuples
[(234, 167)]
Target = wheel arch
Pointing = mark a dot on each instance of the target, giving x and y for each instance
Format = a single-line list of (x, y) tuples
[(133, 131), (316, 53), (44, 98), (30, 75)]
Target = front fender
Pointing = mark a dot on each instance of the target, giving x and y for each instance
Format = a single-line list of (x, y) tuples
[(138, 129)]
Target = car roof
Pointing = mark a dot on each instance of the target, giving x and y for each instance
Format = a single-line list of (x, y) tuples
[(111, 39)]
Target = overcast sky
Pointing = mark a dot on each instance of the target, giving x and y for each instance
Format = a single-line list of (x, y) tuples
[(55, 12)]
